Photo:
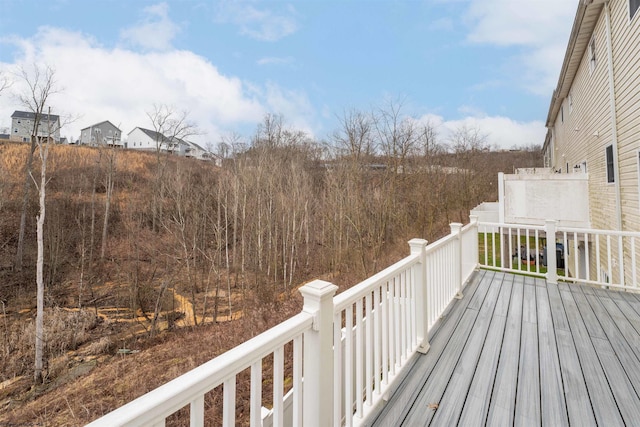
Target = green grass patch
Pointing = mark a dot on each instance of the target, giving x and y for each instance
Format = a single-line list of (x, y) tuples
[(492, 251)]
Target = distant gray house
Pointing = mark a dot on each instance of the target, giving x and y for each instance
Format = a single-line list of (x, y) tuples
[(22, 125), (103, 133)]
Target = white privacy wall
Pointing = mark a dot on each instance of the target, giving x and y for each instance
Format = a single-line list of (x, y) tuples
[(532, 199)]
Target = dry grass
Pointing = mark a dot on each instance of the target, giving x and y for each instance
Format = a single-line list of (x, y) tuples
[(64, 331), (118, 379)]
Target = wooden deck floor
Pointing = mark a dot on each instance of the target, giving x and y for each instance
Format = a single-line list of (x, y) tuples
[(518, 351)]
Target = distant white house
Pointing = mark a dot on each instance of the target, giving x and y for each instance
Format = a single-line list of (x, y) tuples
[(191, 149), (103, 133), (22, 126), (149, 140)]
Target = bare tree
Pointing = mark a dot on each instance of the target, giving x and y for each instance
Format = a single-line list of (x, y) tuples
[(43, 153), (108, 183), (170, 127), (467, 139), (468, 144), (397, 135), (41, 85), (427, 141), (355, 136)]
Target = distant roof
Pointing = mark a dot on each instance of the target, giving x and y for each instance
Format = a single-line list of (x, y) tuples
[(156, 136), (199, 147), (584, 24), (98, 124), (29, 115)]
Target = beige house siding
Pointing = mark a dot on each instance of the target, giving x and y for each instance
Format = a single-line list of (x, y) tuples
[(587, 130), (575, 141), (626, 58)]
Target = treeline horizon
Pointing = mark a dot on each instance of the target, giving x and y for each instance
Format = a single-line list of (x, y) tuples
[(280, 204), (130, 230)]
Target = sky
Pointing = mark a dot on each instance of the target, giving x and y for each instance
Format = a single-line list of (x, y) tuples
[(491, 65)]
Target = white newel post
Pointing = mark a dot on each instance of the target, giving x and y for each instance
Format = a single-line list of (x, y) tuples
[(422, 314), (552, 270), (501, 213), (317, 389), (455, 230), (473, 219)]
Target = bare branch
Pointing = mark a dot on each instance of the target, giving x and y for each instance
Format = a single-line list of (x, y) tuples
[(171, 126), (5, 83)]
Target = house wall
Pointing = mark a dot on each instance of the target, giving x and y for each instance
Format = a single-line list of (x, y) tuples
[(626, 59), (101, 133), (582, 132), (85, 136), (138, 140), (585, 112), (21, 129), (625, 39)]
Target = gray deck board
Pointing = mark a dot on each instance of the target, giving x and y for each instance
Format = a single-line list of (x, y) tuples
[(622, 323), (476, 405), (520, 351), (501, 408), (602, 401), (528, 391), (619, 335), (553, 404), (588, 316), (410, 387), (453, 400)]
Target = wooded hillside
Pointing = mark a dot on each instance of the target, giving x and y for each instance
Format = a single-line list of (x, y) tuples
[(167, 255)]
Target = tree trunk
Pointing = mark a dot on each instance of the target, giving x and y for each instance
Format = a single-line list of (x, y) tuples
[(39, 269), (25, 201), (107, 203)]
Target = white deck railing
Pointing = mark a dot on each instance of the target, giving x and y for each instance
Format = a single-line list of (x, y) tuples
[(597, 257), (350, 349)]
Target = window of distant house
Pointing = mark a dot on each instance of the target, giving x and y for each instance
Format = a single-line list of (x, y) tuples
[(592, 54), (633, 7), (570, 102), (609, 156)]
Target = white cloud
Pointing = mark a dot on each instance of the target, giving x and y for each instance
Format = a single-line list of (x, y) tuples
[(260, 24), (502, 132), (121, 85), (293, 105), (154, 32), (539, 28)]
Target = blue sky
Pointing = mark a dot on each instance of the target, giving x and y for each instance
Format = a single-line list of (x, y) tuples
[(490, 64)]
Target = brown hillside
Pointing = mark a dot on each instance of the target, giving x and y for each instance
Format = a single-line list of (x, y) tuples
[(196, 258)]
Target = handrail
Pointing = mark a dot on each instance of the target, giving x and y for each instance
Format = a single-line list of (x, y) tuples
[(589, 256), (350, 347), (433, 247), (156, 405), (342, 300)]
